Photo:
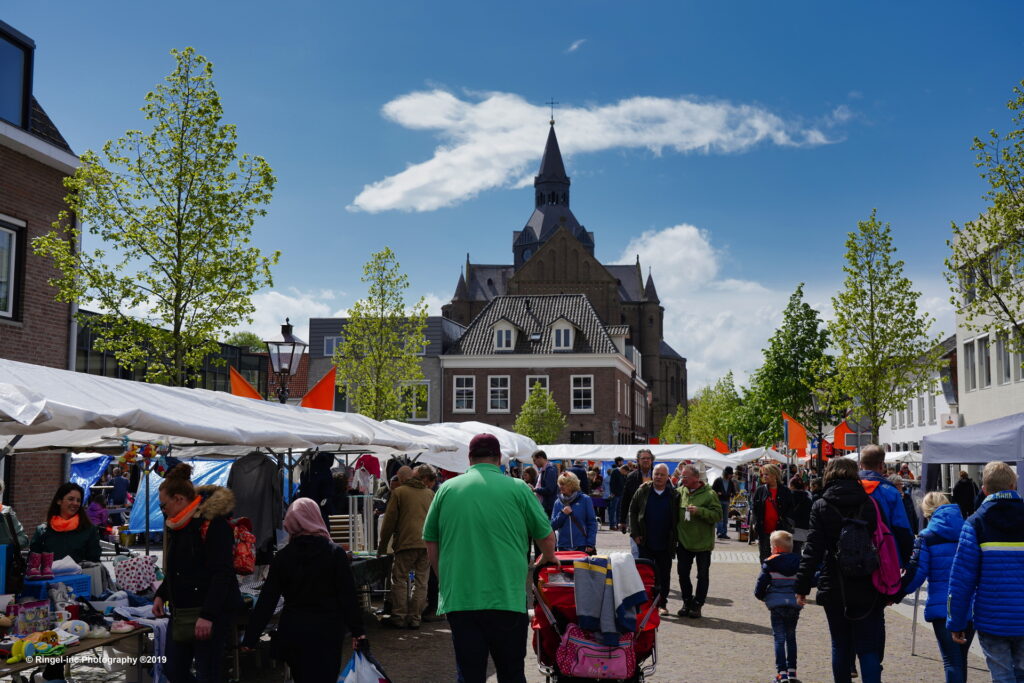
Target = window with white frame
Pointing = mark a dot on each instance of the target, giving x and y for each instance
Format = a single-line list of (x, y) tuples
[(497, 398), (563, 338), (330, 344), (618, 396), (582, 393), (910, 412), (1004, 360), (931, 408), (531, 380), (503, 340), (418, 409), (900, 416), (464, 394), (8, 249), (920, 410), (984, 363), (970, 366)]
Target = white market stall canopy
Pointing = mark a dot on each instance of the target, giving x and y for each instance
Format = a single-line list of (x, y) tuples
[(78, 411), (995, 440), (662, 453), (909, 457), (513, 445), (752, 454)]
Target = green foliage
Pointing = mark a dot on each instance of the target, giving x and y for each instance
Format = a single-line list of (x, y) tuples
[(676, 428), (985, 268), (173, 209), (540, 419), (758, 422), (713, 412), (250, 341), (886, 355), (382, 343)]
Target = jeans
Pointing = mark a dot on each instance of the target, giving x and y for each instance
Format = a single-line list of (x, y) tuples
[(864, 638), (686, 558), (207, 654), (784, 633), (613, 510), (1004, 656), (723, 524), (662, 560), (501, 634), (954, 655)]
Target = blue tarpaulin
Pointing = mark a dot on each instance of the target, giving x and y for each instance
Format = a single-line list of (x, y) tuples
[(203, 472), (86, 470)]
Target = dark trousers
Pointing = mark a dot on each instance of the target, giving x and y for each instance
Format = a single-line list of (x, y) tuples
[(764, 545), (863, 639), (499, 634), (662, 560), (686, 558), (613, 510), (784, 632), (208, 656), (954, 655)]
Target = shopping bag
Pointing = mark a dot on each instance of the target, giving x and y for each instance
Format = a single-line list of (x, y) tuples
[(363, 668)]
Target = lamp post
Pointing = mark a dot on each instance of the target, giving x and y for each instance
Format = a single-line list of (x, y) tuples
[(817, 405), (285, 354)]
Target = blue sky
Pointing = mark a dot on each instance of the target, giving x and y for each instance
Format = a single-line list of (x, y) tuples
[(731, 145)]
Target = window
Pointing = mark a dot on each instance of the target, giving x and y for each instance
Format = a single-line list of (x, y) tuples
[(582, 393), (1004, 363), (618, 396), (920, 410), (8, 249), (464, 395), (419, 410), (563, 339), (984, 362), (931, 408), (497, 401), (330, 344), (970, 366), (534, 379), (15, 80), (899, 419), (967, 282), (503, 340)]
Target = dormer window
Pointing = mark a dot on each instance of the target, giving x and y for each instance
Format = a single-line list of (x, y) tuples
[(563, 338), (503, 340), (15, 76)]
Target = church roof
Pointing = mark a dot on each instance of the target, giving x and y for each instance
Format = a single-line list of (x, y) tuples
[(552, 169), (549, 217), (486, 281), (666, 351), (631, 286), (534, 315), (650, 293)]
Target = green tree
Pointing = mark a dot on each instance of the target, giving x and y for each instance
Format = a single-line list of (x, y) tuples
[(247, 340), (985, 268), (540, 419), (173, 209), (885, 354), (758, 422), (676, 428), (379, 357), (713, 412)]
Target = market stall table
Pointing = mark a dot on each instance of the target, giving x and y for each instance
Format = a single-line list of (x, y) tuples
[(369, 570), (69, 654)]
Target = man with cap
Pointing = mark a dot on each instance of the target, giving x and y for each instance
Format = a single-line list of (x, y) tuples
[(725, 488), (478, 532)]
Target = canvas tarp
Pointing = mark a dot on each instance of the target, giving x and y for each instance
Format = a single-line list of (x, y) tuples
[(752, 454), (1001, 439), (86, 470), (662, 453), (203, 472)]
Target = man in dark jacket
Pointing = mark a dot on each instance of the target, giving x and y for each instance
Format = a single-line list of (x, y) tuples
[(581, 474), (653, 517), (643, 473), (888, 497), (616, 481), (964, 493), (725, 488), (547, 481)]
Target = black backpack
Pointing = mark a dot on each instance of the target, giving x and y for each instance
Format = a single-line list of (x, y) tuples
[(856, 554)]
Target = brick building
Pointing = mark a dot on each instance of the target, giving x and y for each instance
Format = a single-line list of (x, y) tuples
[(34, 328), (554, 254)]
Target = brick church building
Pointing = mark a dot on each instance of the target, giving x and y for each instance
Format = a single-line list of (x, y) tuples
[(528, 319)]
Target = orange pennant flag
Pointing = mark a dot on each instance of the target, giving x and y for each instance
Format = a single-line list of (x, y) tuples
[(796, 436), (321, 396), (839, 436), (241, 387), (721, 447)]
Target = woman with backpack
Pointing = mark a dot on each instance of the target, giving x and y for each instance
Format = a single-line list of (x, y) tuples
[(772, 506), (200, 583), (932, 560), (839, 541)]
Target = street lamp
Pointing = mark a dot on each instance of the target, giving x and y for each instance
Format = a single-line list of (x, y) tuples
[(285, 355), (818, 406)]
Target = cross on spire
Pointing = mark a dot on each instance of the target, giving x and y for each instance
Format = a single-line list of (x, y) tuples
[(551, 103)]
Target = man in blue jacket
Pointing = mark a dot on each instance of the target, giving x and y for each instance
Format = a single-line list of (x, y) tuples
[(888, 497), (547, 481), (987, 570)]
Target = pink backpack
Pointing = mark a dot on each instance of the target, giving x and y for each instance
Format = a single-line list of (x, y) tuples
[(886, 578), (581, 656)]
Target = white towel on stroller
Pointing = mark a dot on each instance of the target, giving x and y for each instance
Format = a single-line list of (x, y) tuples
[(629, 591)]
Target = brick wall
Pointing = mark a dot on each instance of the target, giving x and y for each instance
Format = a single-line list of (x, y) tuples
[(33, 193), (35, 479)]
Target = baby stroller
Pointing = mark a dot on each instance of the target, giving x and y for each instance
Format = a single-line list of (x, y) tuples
[(555, 611)]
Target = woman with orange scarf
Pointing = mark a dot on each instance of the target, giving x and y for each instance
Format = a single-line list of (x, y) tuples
[(67, 531)]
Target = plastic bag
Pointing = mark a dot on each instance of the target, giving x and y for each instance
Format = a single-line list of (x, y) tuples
[(363, 668)]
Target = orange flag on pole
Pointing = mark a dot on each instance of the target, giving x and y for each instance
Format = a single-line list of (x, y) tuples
[(796, 435), (322, 394), (721, 447), (241, 387), (839, 436)]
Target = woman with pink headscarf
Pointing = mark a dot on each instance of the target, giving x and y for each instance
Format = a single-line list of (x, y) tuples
[(314, 577)]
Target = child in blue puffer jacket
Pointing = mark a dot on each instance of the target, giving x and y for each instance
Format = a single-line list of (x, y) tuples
[(932, 560), (775, 585), (573, 517)]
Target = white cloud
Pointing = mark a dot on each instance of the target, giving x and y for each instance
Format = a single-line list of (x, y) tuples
[(490, 140), (576, 44), (855, 95), (273, 306)]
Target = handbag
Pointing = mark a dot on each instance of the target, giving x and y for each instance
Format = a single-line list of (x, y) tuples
[(183, 623), (581, 656), (16, 565)]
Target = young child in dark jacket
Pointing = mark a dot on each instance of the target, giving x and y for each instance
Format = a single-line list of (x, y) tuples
[(775, 586)]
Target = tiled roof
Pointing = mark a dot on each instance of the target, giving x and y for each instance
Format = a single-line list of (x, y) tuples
[(533, 315), (43, 127), (618, 330), (666, 351)]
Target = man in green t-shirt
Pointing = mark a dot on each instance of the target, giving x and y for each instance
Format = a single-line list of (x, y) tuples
[(478, 532)]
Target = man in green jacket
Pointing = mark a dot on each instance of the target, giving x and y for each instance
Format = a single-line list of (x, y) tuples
[(699, 513)]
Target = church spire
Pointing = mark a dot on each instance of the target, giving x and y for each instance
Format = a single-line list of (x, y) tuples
[(551, 182)]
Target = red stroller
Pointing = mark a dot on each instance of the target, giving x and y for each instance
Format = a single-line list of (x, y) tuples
[(557, 600)]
